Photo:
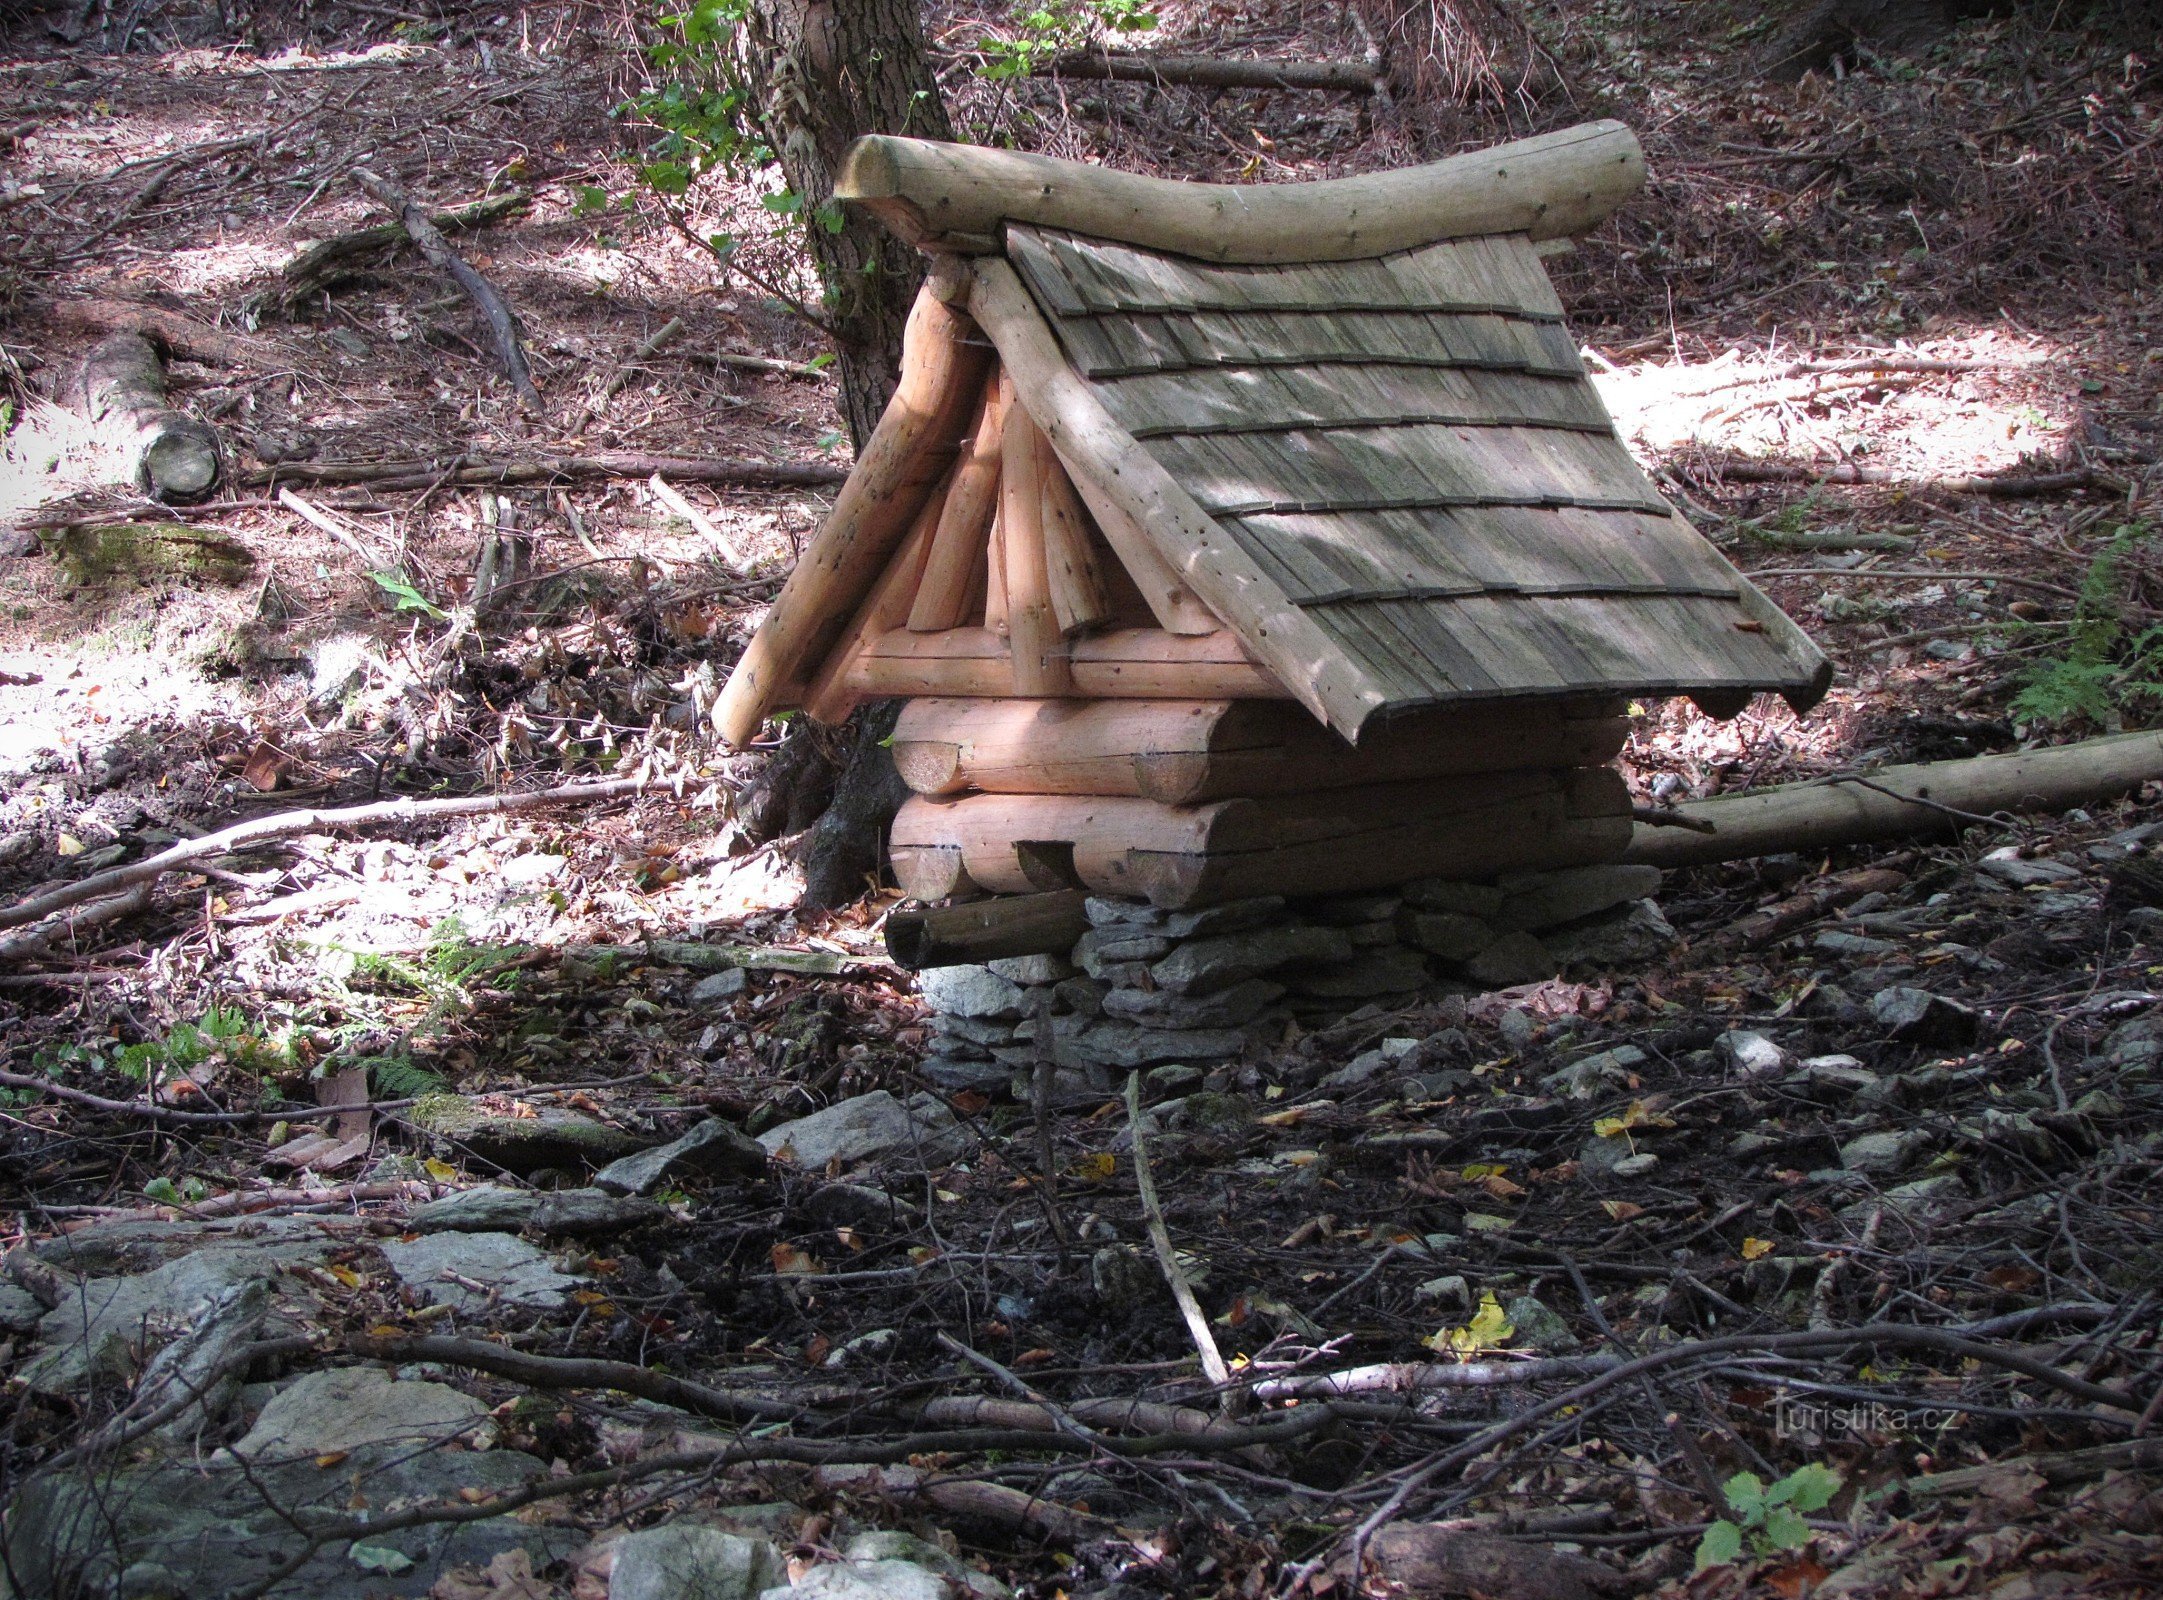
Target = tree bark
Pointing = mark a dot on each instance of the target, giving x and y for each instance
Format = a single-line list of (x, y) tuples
[(824, 72)]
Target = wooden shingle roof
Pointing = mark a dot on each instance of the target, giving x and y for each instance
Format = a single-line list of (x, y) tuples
[(1407, 447)]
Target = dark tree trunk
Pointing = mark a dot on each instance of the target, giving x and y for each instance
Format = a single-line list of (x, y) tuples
[(1824, 29), (824, 73)]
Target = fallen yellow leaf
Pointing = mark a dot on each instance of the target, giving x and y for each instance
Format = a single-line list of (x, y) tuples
[(1753, 1249)]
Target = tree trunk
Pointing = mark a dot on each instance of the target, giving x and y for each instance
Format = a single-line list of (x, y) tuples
[(1824, 29), (825, 72)]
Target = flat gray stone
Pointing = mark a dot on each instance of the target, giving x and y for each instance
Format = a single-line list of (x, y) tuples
[(1916, 1016), (720, 985), (1512, 959), (1880, 1155), (1638, 1166), (1231, 917), (1126, 1045), (1600, 1157), (1632, 938), (497, 1208), (1538, 1327), (1033, 969), (971, 1030), (1161, 1008), (1218, 961), (348, 1407), (957, 1076), (522, 1145), (1854, 946), (1452, 935), (1108, 913), (1481, 900), (20, 1311), (1596, 1074), (1537, 901), (883, 1544), (686, 1561), (1118, 946), (971, 992), (511, 1272), (114, 1249), (2023, 871), (1082, 996), (868, 1580), (1750, 1055), (1919, 1201), (871, 1127), (1383, 969), (714, 1149)]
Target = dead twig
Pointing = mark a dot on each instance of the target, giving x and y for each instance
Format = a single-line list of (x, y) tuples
[(1160, 1238), (471, 470), (652, 344), (672, 497)]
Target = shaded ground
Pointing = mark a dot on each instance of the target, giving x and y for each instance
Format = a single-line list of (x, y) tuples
[(1939, 269)]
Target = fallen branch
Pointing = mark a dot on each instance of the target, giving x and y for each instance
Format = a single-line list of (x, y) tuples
[(285, 824), (2013, 486), (1897, 802), (169, 330), (1920, 575), (503, 327), (328, 260), (467, 470), (1820, 899), (1212, 72), (743, 363), (1160, 1239), (36, 941), (673, 499), (1400, 1377), (2068, 1466), (652, 344)]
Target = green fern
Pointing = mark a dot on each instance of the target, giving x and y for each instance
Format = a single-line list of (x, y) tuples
[(2105, 672), (400, 1078)]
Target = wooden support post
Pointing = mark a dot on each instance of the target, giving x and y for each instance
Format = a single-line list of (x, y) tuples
[(1171, 602), (942, 371), (995, 580), (1079, 601), (957, 549), (985, 930), (829, 698), (1032, 629)]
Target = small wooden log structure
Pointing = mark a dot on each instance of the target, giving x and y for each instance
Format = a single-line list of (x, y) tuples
[(1265, 539)]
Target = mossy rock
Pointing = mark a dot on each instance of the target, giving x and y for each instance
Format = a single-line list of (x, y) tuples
[(522, 1145), (98, 554)]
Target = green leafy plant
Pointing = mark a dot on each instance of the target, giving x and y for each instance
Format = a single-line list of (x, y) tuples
[(1764, 1519), (222, 1033), (1057, 26), (2106, 670), (407, 598)]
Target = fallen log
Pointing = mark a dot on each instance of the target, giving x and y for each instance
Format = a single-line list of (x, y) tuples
[(344, 255), (2013, 486), (503, 328), (1931, 797), (170, 455), (985, 930), (1211, 72), (179, 335), (470, 470)]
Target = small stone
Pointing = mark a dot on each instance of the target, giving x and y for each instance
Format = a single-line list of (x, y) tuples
[(1518, 1027), (1584, 1080), (1600, 1157), (720, 985), (1879, 1155), (1203, 965), (1126, 1045), (1219, 1115), (1131, 947), (1029, 970), (1916, 1016), (1855, 946), (1450, 1292), (882, 1544), (521, 1145), (866, 1580), (1753, 1143), (1362, 1068), (1387, 969), (1452, 935), (971, 992), (1921, 1200), (871, 1127), (1175, 1079), (1749, 1055), (1513, 959), (1233, 916), (1635, 937), (1228, 1008), (348, 1408), (444, 1267), (1442, 894), (1082, 996), (2098, 1103), (1351, 910), (956, 1076), (1104, 913), (2007, 865), (713, 1149), (1537, 901), (972, 1030), (684, 1561), (1836, 1074), (1636, 1166), (1539, 1328)]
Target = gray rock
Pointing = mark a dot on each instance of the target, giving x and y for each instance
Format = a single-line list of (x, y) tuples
[(1161, 1008), (1106, 913), (720, 985), (1748, 1055), (1203, 965), (1600, 1157), (1635, 937), (1452, 935), (973, 1030), (871, 1127), (1512, 959), (956, 1076), (1352, 910), (1441, 894), (1124, 1278), (1387, 969), (495, 1208), (522, 1145), (1539, 1328), (882, 1544), (511, 1272), (113, 1249), (1537, 901), (869, 1580), (1231, 917), (1176, 1079), (1836, 1075), (20, 1311), (1029, 970), (1451, 1292), (971, 992), (1637, 1166), (1089, 956), (196, 1530), (1362, 1068), (1922, 1200), (1082, 996), (349, 1407), (1916, 1016), (1518, 1027), (201, 1365), (1121, 947), (2021, 871), (714, 1149), (1587, 1079), (1854, 946), (685, 1561)]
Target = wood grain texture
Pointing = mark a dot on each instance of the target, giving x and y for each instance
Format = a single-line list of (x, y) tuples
[(951, 570)]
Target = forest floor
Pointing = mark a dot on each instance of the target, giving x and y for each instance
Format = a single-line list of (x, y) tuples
[(1936, 278)]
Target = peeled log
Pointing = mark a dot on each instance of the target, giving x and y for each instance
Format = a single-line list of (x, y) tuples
[(984, 930), (173, 456), (1184, 752), (954, 197), (1819, 816)]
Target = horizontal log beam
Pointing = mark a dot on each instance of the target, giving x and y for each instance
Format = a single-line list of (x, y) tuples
[(1126, 663), (942, 196), (985, 930), (1212, 72)]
